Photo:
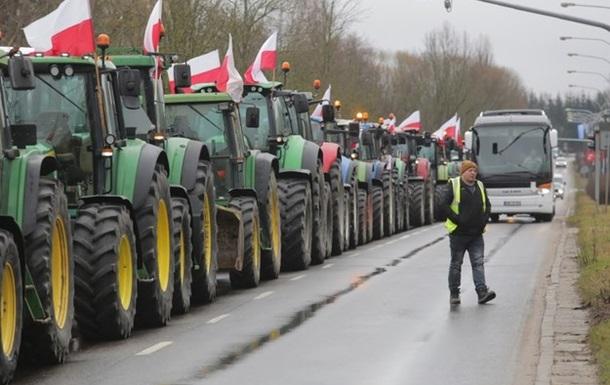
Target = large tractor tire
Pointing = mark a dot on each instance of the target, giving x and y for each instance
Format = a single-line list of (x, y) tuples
[(417, 202), (429, 204), (377, 195), (155, 236), (106, 268), (11, 297), (329, 215), (297, 223), (205, 258), (339, 228), (439, 196), (389, 219), (272, 224), (250, 274), (318, 248), (183, 259), (49, 258), (369, 216), (362, 206), (352, 205)]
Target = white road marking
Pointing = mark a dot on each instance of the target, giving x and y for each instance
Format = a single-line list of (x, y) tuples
[(390, 242), (328, 265), (263, 295), (154, 348), (218, 319), (375, 247), (405, 236), (355, 255), (298, 277)]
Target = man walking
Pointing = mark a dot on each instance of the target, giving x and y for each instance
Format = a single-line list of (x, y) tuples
[(467, 209)]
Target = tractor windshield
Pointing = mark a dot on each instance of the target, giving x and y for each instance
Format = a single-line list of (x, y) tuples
[(257, 136)]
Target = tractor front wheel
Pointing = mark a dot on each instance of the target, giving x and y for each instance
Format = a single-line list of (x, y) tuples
[(297, 223), (249, 275), (182, 256), (11, 289)]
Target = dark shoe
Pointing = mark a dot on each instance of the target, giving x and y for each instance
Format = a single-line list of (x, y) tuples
[(485, 295), (454, 298)]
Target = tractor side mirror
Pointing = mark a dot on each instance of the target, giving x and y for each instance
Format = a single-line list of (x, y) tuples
[(301, 104), (23, 135), (182, 75), (468, 140), (252, 117), (328, 113), (21, 73), (354, 129), (553, 137), (129, 88)]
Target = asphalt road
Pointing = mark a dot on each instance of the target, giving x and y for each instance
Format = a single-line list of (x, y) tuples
[(379, 314)]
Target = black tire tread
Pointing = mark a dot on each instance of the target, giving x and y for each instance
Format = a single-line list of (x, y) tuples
[(296, 206)]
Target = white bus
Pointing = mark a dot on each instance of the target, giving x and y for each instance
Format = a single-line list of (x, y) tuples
[(513, 149)]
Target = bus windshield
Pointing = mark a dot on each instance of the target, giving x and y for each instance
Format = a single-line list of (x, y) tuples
[(515, 150)]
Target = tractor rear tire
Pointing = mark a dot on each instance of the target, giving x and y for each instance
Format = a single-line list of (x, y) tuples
[(297, 223), (49, 258), (250, 274), (11, 313), (205, 258), (272, 224), (106, 271), (354, 231), (429, 204), (439, 196), (377, 196), (339, 228), (319, 234), (389, 219), (399, 201), (155, 236), (183, 259), (416, 204), (329, 215), (362, 217)]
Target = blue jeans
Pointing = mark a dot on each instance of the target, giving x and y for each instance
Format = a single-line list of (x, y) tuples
[(475, 246)]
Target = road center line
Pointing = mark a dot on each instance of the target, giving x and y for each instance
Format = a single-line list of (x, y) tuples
[(355, 255), (154, 348), (328, 265), (390, 242), (263, 295), (217, 319), (375, 247), (298, 277), (405, 236)]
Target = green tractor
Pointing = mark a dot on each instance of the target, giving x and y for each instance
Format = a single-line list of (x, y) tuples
[(117, 187), (35, 238), (271, 117), (249, 219), (191, 181)]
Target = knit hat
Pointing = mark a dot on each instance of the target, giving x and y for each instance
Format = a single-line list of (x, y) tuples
[(466, 165)]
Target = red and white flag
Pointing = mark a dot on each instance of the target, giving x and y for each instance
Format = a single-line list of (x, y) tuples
[(265, 60), (411, 123), (229, 80), (317, 112), (154, 29), (448, 129), (68, 29), (204, 69)]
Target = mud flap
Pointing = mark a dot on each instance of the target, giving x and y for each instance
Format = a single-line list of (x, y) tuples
[(230, 238)]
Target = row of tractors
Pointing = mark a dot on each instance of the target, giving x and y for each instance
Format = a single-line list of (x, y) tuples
[(119, 204)]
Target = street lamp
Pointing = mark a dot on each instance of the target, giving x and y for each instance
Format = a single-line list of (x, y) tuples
[(563, 38), (565, 5), (590, 73), (589, 56)]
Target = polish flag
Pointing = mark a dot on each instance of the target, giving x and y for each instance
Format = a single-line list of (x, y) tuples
[(154, 29), (229, 80), (68, 29), (411, 123), (448, 129), (266, 60), (317, 112), (204, 69)]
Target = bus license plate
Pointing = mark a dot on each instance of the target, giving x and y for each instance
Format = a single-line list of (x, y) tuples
[(512, 203)]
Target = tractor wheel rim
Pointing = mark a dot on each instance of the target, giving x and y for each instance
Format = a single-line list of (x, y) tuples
[(276, 239), (163, 245), (60, 274), (8, 313), (125, 272), (207, 234)]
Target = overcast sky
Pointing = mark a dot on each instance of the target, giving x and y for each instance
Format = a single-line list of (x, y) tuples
[(527, 43)]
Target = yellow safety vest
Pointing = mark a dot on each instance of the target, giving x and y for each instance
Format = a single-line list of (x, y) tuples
[(455, 205)]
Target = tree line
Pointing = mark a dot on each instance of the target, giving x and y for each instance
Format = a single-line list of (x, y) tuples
[(320, 38)]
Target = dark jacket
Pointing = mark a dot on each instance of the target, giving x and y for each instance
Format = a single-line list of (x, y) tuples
[(471, 219)]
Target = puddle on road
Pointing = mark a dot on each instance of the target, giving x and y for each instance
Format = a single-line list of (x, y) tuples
[(300, 317)]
